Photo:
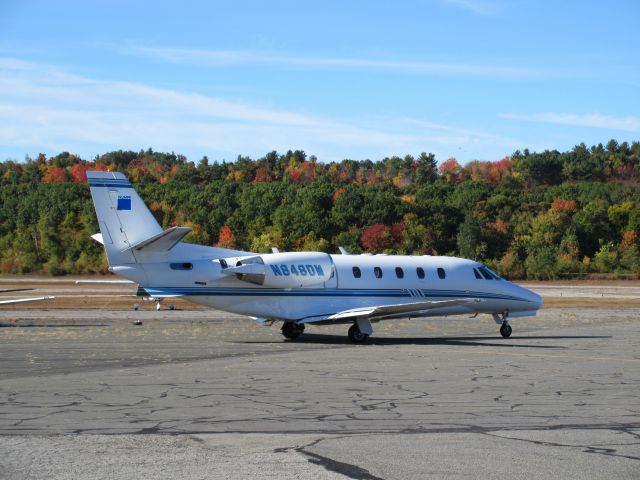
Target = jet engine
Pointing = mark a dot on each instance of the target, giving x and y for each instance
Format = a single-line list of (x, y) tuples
[(281, 270)]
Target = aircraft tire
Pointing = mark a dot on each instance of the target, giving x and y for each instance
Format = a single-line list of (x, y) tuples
[(505, 330), (355, 335), (292, 330)]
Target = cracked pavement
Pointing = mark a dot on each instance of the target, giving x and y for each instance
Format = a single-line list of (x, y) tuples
[(201, 394)]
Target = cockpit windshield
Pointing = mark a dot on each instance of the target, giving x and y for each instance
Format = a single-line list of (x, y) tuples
[(488, 274)]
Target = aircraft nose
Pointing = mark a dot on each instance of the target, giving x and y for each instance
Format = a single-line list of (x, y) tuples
[(534, 298)]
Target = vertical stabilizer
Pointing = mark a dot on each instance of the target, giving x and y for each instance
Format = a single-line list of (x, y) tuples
[(123, 217)]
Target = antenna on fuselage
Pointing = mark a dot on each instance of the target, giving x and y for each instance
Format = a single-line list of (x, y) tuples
[(274, 250), (343, 251)]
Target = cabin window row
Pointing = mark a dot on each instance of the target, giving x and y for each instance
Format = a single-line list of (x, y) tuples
[(377, 271)]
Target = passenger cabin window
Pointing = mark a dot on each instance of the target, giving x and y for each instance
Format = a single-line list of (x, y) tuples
[(181, 266), (420, 272), (377, 271), (356, 272), (441, 273), (399, 272), (477, 274)]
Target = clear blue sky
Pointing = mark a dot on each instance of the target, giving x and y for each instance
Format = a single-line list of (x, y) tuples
[(472, 79)]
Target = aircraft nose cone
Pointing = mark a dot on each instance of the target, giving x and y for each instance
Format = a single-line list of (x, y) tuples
[(533, 301), (536, 299)]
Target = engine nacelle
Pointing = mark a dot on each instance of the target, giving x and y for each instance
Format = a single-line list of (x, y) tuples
[(297, 269), (282, 270)]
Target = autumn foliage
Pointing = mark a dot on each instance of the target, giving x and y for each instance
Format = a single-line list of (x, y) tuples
[(450, 169), (562, 205), (529, 215), (226, 239), (379, 237), (54, 175)]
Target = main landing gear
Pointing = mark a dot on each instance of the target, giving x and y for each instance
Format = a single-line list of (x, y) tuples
[(292, 330), (356, 335), (505, 328), (360, 330)]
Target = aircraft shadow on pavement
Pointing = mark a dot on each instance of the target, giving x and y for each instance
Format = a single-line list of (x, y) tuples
[(471, 341)]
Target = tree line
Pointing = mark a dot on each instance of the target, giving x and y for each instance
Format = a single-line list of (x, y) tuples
[(531, 215)]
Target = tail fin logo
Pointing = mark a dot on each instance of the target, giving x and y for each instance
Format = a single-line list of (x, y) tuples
[(124, 202)]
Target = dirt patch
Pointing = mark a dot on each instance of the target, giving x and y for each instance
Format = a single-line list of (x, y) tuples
[(580, 302)]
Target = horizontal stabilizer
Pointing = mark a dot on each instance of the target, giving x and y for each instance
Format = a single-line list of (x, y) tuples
[(382, 311), (162, 242)]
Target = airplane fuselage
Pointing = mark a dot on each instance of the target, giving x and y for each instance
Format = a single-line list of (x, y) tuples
[(355, 281)]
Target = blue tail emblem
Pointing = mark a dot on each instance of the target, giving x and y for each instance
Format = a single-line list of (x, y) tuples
[(124, 202)]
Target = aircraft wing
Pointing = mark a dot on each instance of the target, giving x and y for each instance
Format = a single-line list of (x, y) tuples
[(382, 311), (21, 300)]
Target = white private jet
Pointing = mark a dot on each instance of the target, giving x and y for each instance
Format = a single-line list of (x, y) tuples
[(297, 288), (22, 300)]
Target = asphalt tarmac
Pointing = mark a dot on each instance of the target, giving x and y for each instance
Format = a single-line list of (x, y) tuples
[(195, 393)]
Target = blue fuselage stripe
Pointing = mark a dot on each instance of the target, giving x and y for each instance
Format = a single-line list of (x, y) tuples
[(110, 184), (267, 292)]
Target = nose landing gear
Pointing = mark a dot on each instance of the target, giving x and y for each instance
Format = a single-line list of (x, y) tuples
[(505, 328)]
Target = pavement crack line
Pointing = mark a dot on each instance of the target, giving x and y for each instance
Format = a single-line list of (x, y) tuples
[(609, 452), (347, 469)]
